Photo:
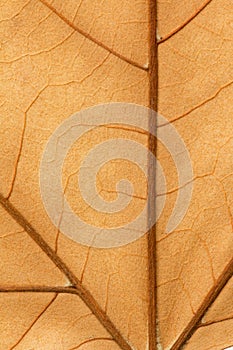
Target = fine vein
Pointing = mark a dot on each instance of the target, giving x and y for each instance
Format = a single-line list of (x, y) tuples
[(34, 322), (177, 29)]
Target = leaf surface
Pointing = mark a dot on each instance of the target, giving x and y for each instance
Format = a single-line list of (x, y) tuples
[(51, 69), (195, 89), (58, 58)]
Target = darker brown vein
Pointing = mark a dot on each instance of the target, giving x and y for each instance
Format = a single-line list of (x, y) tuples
[(91, 38), (18, 157), (37, 289), (210, 323), (203, 103), (179, 28), (207, 302), (90, 341), (34, 322), (81, 291), (153, 97)]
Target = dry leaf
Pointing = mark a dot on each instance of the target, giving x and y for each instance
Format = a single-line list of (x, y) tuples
[(195, 89), (58, 58)]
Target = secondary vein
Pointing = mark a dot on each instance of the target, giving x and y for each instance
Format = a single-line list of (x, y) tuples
[(176, 30), (91, 38), (81, 291), (207, 302)]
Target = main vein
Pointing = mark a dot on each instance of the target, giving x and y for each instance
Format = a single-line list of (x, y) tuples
[(152, 145)]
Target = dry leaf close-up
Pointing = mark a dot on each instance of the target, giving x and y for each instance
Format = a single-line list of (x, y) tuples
[(116, 181)]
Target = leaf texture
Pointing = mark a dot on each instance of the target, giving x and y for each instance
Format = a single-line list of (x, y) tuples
[(195, 89), (57, 59)]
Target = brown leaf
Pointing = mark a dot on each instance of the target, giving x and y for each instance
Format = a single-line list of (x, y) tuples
[(195, 261), (57, 59)]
